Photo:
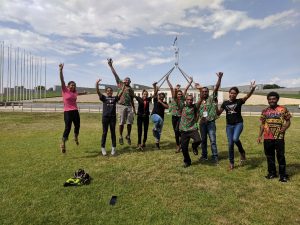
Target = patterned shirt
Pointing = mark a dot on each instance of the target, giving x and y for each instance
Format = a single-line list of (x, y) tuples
[(208, 108), (175, 109), (189, 118), (127, 96), (273, 120)]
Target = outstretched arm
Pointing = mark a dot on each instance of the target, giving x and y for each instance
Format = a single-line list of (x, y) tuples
[(171, 87), (97, 87), (219, 111), (188, 86), (166, 106), (252, 86), (61, 75), (155, 89), (110, 64), (261, 130), (217, 86)]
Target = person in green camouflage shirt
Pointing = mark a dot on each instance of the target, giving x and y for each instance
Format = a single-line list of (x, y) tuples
[(208, 115), (174, 109), (189, 129), (126, 107)]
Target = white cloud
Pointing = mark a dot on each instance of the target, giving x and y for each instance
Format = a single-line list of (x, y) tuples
[(285, 82), (126, 18)]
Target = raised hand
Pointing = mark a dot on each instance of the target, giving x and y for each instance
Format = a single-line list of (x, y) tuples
[(197, 85), (252, 85), (191, 79), (110, 61), (155, 83), (220, 74), (98, 81), (61, 66)]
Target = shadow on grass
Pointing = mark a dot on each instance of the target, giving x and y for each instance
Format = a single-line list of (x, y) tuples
[(293, 169)]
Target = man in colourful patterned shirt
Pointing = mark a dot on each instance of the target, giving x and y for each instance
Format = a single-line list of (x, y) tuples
[(208, 115), (275, 120), (189, 129), (126, 105)]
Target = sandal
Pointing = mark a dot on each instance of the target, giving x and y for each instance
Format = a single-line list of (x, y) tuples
[(63, 148), (76, 140)]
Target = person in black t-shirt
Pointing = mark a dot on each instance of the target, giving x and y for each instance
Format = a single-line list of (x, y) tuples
[(234, 121), (143, 117), (158, 114), (108, 116)]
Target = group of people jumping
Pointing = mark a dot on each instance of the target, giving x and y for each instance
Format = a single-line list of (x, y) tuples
[(188, 117)]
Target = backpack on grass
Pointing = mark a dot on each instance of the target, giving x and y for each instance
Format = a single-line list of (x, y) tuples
[(80, 178)]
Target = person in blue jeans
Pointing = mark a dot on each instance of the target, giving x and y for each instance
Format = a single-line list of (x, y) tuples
[(208, 115), (234, 121), (158, 113)]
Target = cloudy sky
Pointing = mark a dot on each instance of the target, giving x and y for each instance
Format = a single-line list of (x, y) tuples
[(247, 40)]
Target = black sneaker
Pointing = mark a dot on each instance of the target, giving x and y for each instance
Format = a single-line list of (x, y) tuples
[(270, 176), (215, 161), (203, 158), (283, 179), (195, 151), (121, 141), (157, 145), (128, 140), (185, 165)]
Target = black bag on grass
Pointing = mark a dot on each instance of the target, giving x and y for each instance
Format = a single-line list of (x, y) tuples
[(80, 178)]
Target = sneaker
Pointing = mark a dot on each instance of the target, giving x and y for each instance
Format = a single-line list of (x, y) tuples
[(270, 176), (231, 166), (243, 156), (215, 161), (139, 147), (195, 151), (154, 132), (121, 141), (178, 149), (203, 158), (157, 145), (103, 151), (113, 151), (143, 145), (185, 165), (63, 148), (76, 140), (128, 140), (283, 179)]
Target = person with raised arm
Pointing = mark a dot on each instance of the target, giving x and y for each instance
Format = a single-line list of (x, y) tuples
[(275, 120), (126, 107), (143, 117), (208, 115), (178, 98), (234, 122), (71, 114), (188, 127), (158, 114), (108, 116)]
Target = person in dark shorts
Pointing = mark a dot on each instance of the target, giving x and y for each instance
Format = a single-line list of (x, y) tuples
[(234, 121), (275, 120), (108, 116)]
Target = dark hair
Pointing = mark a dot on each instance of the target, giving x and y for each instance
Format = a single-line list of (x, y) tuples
[(180, 91), (190, 95), (274, 94), (144, 91), (108, 88), (161, 93), (235, 89), (71, 82)]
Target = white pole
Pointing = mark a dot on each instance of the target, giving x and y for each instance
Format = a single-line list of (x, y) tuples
[(15, 81), (1, 65), (41, 71), (45, 78), (27, 89), (23, 83)]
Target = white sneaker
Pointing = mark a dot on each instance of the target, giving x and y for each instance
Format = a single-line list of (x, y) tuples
[(113, 151), (103, 151)]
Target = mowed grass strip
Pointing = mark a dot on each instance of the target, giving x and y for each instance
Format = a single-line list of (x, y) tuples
[(152, 186)]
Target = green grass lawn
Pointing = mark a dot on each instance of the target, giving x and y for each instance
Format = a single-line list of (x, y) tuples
[(152, 186)]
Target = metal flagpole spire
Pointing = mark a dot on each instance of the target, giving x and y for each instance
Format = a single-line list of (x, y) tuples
[(176, 49)]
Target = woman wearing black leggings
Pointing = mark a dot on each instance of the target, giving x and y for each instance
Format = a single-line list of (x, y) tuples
[(143, 118)]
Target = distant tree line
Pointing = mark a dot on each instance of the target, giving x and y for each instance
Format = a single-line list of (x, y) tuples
[(271, 86)]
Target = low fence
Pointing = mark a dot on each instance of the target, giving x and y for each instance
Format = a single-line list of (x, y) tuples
[(97, 108)]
